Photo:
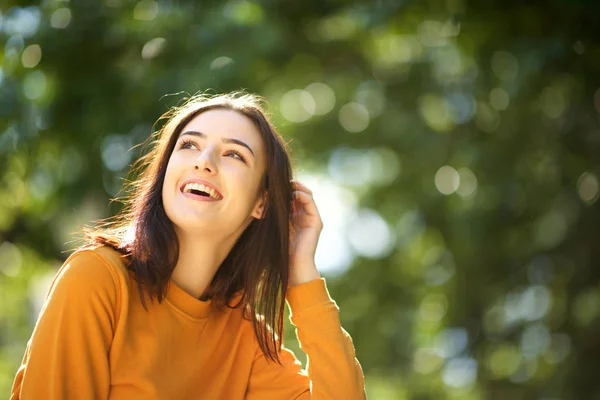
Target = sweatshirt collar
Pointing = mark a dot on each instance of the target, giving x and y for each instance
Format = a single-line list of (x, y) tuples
[(186, 303)]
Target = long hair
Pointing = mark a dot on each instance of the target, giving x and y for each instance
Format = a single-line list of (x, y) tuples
[(257, 265)]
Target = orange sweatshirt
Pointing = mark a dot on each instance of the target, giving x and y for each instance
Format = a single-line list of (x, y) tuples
[(94, 340)]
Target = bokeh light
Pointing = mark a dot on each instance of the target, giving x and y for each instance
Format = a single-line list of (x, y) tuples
[(460, 372), (435, 112), (153, 48), (323, 96), (370, 235), (220, 62), (297, 105), (60, 18), (35, 85), (354, 167), (587, 187), (467, 182), (447, 180), (11, 259), (145, 10), (552, 102), (505, 65), (31, 56), (354, 117), (499, 99)]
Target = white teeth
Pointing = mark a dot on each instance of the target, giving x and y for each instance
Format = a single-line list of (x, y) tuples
[(198, 186)]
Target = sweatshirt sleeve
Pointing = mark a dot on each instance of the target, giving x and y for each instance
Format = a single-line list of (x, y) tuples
[(333, 372), (67, 355)]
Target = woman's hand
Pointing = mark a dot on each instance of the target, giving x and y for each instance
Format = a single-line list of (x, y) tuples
[(305, 229)]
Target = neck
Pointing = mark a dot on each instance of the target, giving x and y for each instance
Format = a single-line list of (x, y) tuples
[(199, 259)]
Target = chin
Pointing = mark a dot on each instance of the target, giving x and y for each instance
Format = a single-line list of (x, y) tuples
[(196, 222), (205, 224)]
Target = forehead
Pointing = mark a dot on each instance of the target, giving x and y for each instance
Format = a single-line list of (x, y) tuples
[(224, 123)]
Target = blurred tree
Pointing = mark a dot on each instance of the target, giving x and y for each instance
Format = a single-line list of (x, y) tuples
[(467, 131)]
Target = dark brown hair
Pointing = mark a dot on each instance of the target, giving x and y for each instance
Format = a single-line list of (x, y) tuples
[(257, 265)]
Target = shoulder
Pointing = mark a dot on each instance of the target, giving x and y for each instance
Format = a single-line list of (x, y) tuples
[(92, 271)]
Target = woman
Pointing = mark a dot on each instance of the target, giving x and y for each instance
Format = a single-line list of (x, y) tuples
[(182, 296)]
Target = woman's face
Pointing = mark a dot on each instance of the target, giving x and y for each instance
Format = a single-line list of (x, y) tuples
[(213, 178)]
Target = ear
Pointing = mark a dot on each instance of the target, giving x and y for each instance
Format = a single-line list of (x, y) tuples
[(261, 206)]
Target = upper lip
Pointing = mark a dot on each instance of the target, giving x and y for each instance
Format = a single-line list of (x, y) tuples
[(203, 182)]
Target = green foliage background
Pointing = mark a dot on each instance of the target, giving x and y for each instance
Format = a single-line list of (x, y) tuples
[(471, 129)]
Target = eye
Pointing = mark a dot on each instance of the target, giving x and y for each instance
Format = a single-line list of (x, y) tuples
[(235, 154), (187, 144)]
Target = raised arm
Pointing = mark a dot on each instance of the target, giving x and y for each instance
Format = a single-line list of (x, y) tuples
[(333, 370), (67, 355)]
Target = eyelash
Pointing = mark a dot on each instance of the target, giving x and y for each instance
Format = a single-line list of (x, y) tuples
[(186, 144)]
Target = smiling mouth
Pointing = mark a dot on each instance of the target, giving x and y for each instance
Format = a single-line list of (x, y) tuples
[(199, 189)]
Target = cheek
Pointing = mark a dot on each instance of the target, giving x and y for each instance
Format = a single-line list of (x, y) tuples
[(244, 179), (174, 166), (170, 176)]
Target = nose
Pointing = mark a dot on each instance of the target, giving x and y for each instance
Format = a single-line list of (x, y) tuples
[(205, 161)]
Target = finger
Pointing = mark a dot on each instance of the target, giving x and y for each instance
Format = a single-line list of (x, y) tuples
[(302, 196), (299, 186), (306, 201)]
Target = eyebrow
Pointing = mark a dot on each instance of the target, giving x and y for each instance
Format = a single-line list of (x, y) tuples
[(224, 140)]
